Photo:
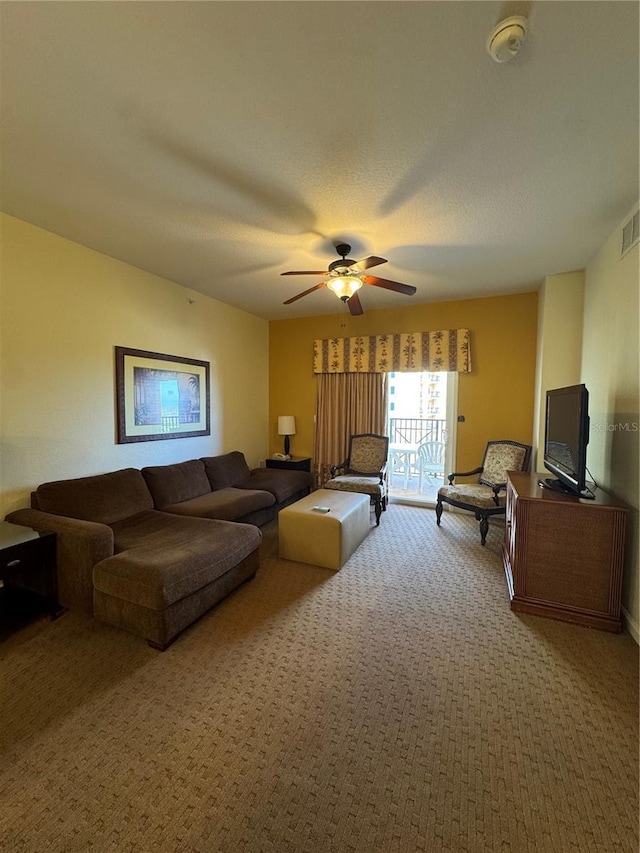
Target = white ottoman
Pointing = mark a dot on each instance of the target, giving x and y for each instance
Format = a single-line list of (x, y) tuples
[(324, 539)]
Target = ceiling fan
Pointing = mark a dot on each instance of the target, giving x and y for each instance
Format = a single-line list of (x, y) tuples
[(346, 277)]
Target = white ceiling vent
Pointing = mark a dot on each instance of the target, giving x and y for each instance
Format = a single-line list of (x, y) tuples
[(630, 233)]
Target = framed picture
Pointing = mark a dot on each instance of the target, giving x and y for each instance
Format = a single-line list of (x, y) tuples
[(160, 396)]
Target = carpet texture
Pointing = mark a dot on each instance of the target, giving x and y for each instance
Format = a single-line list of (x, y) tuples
[(396, 706)]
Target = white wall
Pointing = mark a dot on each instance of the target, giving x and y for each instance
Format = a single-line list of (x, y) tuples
[(610, 372), (63, 309), (559, 345)]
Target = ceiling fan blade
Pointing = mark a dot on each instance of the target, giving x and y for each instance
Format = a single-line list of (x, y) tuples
[(407, 289), (355, 306), (306, 272), (371, 261), (305, 292)]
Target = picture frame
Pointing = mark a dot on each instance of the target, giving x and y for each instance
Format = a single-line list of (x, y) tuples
[(160, 396)]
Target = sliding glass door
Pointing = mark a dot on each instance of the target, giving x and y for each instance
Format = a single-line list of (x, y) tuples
[(422, 412)]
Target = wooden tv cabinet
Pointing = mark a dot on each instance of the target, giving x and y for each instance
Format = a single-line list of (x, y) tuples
[(563, 556)]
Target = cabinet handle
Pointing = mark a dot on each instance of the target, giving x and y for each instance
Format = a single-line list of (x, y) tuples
[(13, 564)]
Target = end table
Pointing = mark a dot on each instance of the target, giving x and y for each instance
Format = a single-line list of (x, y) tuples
[(27, 570), (296, 463)]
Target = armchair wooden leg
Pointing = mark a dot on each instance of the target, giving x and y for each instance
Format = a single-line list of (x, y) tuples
[(377, 503), (438, 511), (484, 528)]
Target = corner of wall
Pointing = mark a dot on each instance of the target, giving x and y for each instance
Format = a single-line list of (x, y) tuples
[(559, 343)]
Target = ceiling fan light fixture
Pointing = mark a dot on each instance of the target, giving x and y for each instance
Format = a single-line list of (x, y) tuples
[(344, 286), (345, 277)]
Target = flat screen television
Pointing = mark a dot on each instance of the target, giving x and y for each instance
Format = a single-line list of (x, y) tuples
[(566, 439)]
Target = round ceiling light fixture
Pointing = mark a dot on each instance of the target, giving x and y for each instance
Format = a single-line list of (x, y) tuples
[(507, 37)]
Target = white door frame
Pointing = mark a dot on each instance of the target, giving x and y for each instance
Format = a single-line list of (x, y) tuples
[(452, 423)]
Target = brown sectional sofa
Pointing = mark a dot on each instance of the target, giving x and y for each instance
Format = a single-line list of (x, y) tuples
[(224, 487), (150, 551)]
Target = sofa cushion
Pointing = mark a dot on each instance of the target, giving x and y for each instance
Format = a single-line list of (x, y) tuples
[(170, 484), (230, 469), (227, 504), (161, 558), (105, 498), (282, 483)]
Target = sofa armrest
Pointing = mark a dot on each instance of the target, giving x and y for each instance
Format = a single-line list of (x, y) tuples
[(80, 545)]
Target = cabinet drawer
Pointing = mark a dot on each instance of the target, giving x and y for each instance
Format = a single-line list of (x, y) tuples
[(21, 558), (28, 558)]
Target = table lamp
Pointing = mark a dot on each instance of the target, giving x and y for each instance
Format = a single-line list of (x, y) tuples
[(286, 427)]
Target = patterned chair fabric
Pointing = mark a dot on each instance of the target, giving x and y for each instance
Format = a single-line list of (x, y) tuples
[(483, 498), (364, 470), (501, 457)]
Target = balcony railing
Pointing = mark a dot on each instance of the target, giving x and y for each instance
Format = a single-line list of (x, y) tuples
[(416, 430)]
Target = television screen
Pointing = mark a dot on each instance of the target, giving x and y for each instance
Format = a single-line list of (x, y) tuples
[(566, 438)]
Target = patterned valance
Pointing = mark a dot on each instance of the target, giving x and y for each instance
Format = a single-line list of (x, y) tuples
[(408, 351)]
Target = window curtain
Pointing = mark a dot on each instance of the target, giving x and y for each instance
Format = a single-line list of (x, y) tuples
[(347, 404)]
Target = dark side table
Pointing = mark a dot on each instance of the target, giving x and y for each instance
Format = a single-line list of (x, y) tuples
[(27, 573), (296, 463)]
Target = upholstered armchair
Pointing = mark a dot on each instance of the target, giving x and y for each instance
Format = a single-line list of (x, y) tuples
[(487, 496), (364, 470)]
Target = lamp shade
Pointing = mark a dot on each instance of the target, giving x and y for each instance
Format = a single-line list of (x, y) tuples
[(286, 425), (344, 286)]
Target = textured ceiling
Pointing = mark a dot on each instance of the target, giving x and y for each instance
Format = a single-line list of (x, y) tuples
[(218, 144)]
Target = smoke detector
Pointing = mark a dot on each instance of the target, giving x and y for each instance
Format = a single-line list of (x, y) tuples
[(507, 37)]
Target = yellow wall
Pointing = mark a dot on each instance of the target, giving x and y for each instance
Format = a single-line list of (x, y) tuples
[(496, 398), (63, 310)]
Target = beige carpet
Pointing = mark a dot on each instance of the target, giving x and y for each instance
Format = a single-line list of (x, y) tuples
[(396, 706)]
